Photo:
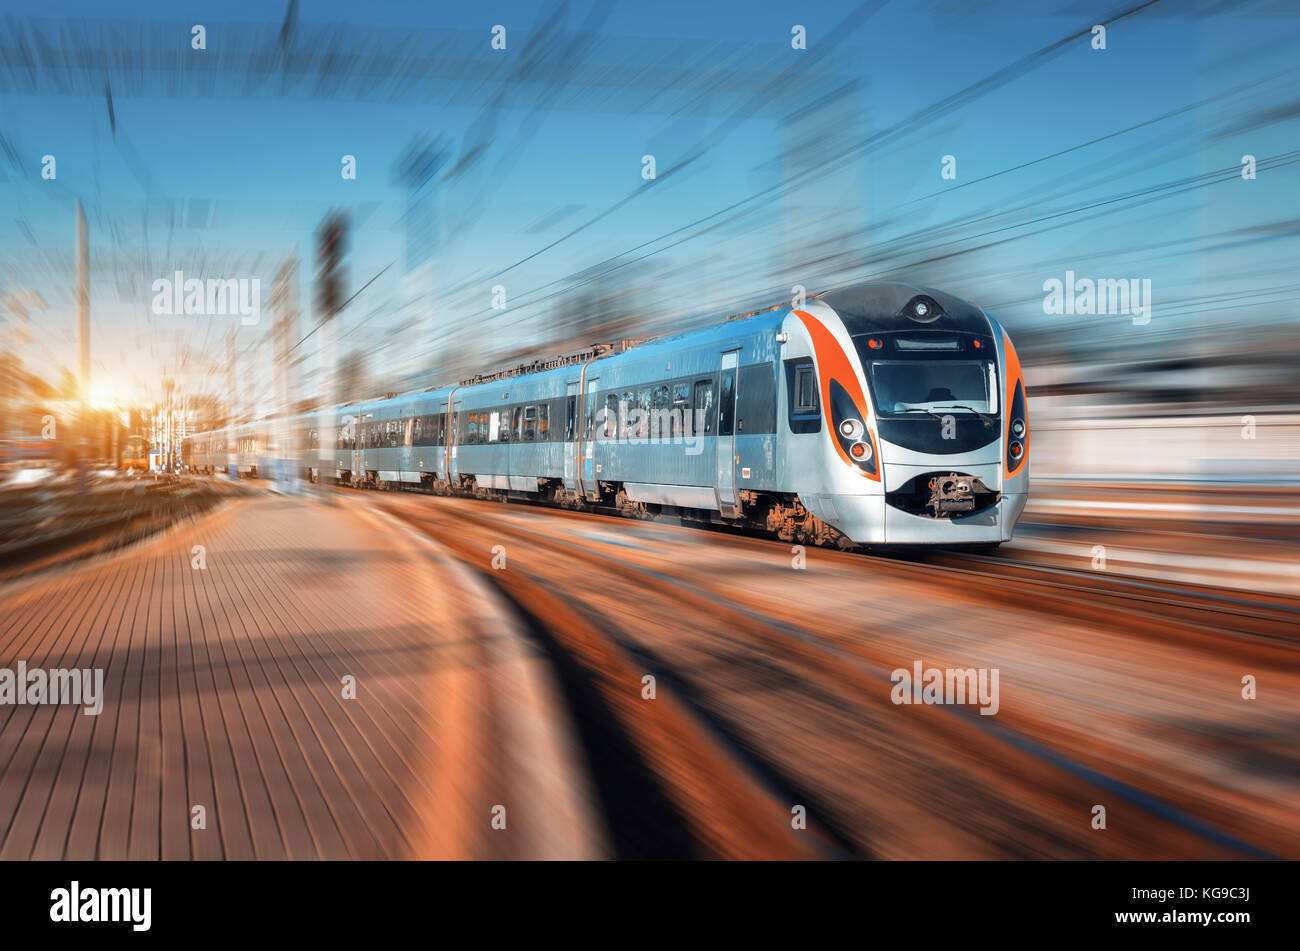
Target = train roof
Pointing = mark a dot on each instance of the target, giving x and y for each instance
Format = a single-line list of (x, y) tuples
[(872, 307), (878, 308)]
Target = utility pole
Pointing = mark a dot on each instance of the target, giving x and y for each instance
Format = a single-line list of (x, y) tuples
[(232, 379), (83, 326), (284, 304), (416, 171), (331, 240)]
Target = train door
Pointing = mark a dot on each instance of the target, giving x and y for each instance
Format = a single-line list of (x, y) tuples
[(359, 447), (343, 444), (588, 484), (453, 438), (444, 424), (406, 452), (726, 429), (571, 436)]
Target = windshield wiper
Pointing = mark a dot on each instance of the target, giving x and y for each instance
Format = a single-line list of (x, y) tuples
[(988, 420), (919, 409)]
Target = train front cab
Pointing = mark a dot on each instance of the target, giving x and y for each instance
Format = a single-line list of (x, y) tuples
[(878, 471)]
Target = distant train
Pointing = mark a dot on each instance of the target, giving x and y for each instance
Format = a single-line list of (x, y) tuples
[(135, 455), (879, 414)]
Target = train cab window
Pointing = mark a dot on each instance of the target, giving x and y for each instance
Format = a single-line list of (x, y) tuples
[(703, 407), (727, 403), (529, 433)]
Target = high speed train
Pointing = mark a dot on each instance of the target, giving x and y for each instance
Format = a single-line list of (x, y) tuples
[(878, 414)]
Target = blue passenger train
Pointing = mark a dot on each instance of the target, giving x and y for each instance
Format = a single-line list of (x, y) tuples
[(878, 414)]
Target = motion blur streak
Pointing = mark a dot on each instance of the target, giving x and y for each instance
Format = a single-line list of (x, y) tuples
[(416, 201)]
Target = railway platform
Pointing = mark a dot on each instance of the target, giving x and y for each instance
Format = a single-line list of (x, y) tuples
[(282, 678)]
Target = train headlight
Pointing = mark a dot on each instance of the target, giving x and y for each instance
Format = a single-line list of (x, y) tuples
[(1018, 428), (860, 451), (922, 309), (851, 429), (1016, 449)]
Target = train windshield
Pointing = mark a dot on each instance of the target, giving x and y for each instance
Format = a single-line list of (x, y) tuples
[(950, 386)]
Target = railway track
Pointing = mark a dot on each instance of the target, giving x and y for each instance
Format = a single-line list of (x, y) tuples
[(1266, 625), (672, 786), (849, 674), (42, 528)]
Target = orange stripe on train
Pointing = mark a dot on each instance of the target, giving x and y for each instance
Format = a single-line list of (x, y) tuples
[(1014, 376), (833, 363)]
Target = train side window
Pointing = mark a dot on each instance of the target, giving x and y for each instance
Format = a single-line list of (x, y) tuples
[(661, 402), (756, 399), (703, 421), (727, 403), (570, 417), (511, 423), (530, 423), (644, 404), (681, 408), (609, 429), (805, 390), (626, 403), (544, 422), (803, 402)]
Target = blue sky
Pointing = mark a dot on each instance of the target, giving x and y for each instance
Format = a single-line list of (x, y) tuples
[(225, 177)]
